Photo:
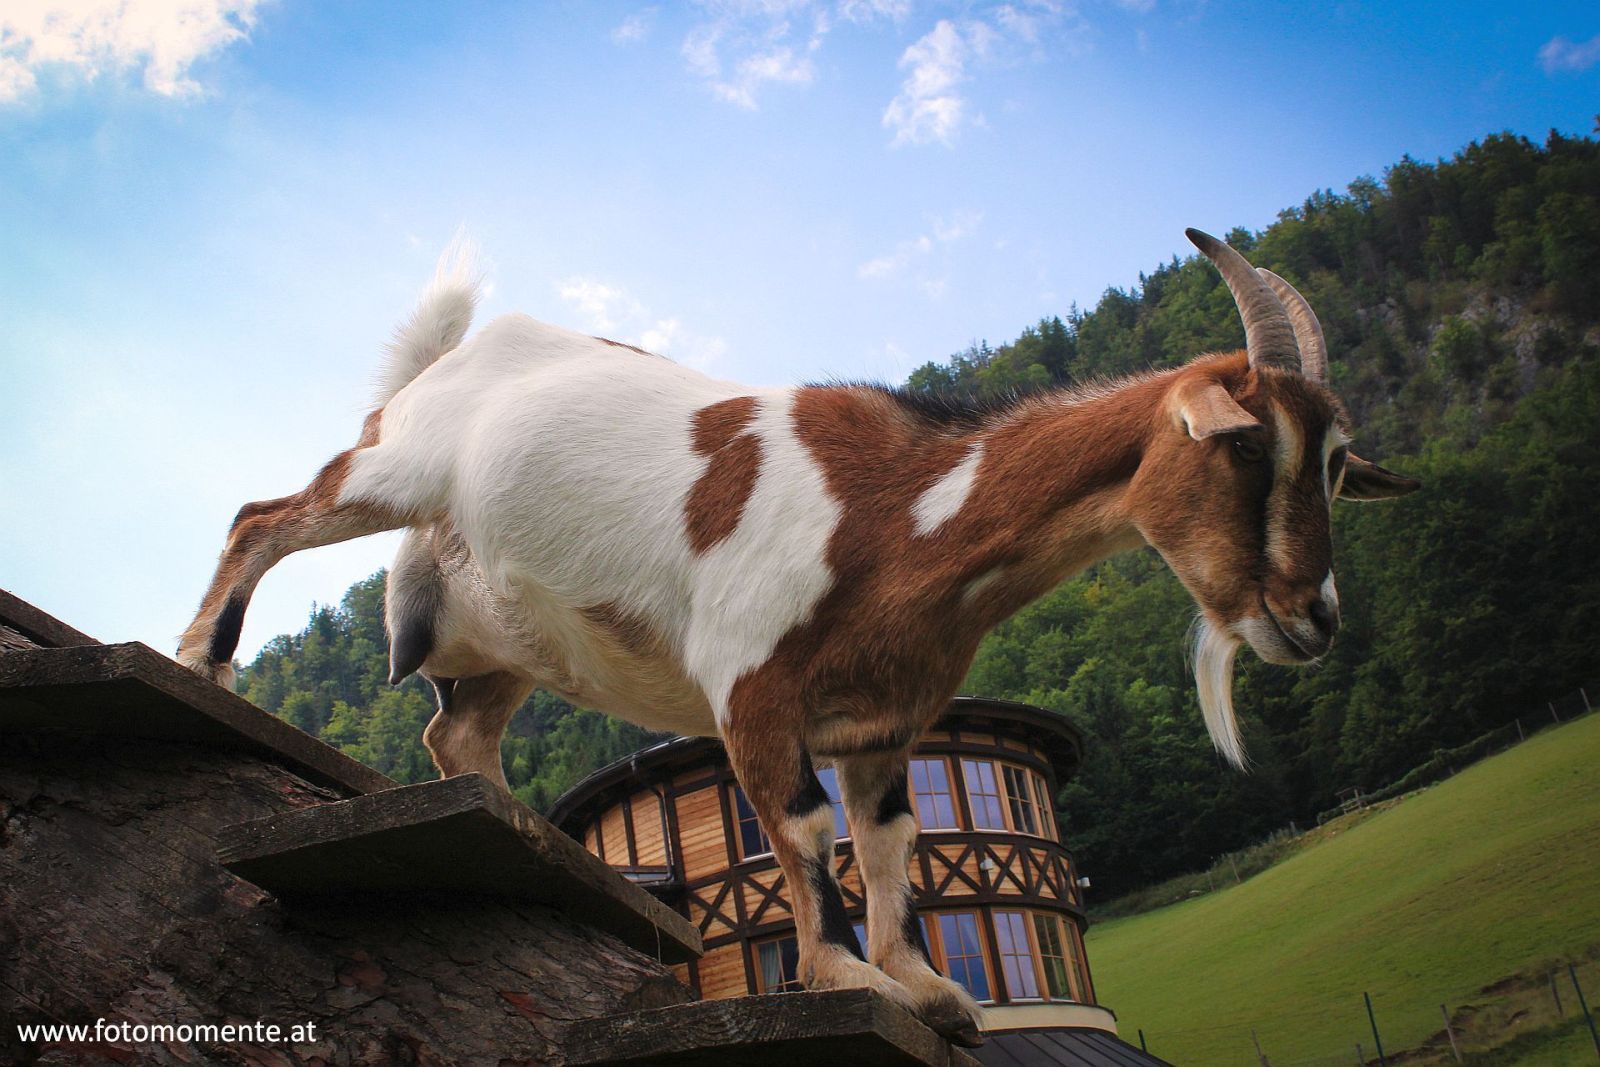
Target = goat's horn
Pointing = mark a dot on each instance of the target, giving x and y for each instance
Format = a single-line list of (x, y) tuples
[(1307, 330), (1268, 335)]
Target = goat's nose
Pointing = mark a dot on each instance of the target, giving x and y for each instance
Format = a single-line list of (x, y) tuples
[(1325, 617)]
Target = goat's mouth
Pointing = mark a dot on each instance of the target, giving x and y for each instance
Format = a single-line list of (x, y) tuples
[(1273, 641)]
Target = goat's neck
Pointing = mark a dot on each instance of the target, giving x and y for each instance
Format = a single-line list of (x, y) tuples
[(1052, 496)]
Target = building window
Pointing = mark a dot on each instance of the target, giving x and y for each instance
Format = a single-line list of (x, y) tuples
[(983, 795), (1004, 796), (777, 965), (830, 785), (1016, 955), (1053, 955), (752, 839), (1047, 807), (963, 952), (1080, 970), (1019, 795), (930, 787)]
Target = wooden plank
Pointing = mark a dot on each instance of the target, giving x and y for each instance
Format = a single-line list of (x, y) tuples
[(131, 690), (841, 1028), (40, 627), (112, 903), (458, 836)]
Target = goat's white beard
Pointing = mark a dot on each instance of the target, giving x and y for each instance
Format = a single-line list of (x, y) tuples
[(1214, 649)]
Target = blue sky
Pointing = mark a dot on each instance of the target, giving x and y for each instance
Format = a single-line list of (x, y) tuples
[(214, 212)]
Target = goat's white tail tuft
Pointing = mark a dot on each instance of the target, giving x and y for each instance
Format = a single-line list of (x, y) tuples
[(1214, 649), (439, 322)]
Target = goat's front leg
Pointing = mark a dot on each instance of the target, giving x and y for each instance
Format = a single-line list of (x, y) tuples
[(775, 772), (877, 804), (465, 734)]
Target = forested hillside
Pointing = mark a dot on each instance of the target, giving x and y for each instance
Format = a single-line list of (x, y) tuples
[(1462, 305)]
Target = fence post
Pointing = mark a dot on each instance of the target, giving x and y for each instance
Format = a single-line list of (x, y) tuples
[(1142, 1047), (1450, 1032), (1585, 694), (1594, 1035), (1373, 1019), (1520, 735), (1262, 1056), (1555, 991), (1235, 866), (1361, 1057), (1552, 706)]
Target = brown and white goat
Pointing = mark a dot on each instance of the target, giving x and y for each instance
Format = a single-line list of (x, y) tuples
[(804, 572)]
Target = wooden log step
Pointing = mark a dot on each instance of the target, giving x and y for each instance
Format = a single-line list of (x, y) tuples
[(131, 690), (458, 836), (39, 627), (839, 1028)]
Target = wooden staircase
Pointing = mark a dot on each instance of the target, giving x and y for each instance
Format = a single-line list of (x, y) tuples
[(172, 854)]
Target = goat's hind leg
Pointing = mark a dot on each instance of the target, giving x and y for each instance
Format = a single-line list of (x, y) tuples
[(464, 735), (264, 533)]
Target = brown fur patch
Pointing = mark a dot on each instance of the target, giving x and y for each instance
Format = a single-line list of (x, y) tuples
[(630, 348), (715, 425), (716, 503), (632, 634)]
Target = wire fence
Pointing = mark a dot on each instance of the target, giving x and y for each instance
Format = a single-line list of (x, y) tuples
[(1546, 1012), (1446, 762)]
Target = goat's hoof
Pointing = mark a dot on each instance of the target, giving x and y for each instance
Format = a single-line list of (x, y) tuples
[(955, 1024), (220, 673)]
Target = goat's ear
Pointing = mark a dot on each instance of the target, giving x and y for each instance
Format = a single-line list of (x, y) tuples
[(1205, 409), (1365, 480)]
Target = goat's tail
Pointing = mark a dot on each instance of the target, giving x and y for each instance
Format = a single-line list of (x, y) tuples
[(439, 322)]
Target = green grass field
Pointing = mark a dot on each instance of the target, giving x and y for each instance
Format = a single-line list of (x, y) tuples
[(1493, 872)]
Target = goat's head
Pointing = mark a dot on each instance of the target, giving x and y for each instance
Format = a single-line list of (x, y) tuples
[(1237, 483)]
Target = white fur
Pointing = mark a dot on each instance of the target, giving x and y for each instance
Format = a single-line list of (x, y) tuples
[(943, 499), (1214, 649), (564, 462), (1286, 463), (749, 590), (439, 322), (975, 588), (1332, 441), (1330, 594)]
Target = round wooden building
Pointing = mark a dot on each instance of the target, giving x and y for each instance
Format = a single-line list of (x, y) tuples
[(997, 889)]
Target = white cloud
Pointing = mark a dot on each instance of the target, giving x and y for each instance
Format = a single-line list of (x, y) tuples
[(1560, 54), (932, 105), (634, 28), (601, 305), (743, 48), (756, 43), (945, 231), (613, 312), (163, 38), (861, 11), (928, 107), (780, 66)]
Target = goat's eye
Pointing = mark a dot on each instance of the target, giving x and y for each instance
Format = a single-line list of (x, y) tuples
[(1249, 449)]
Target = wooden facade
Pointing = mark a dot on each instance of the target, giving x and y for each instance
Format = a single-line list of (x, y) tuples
[(997, 889)]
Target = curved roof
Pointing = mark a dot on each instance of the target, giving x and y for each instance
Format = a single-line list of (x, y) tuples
[(1061, 741)]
